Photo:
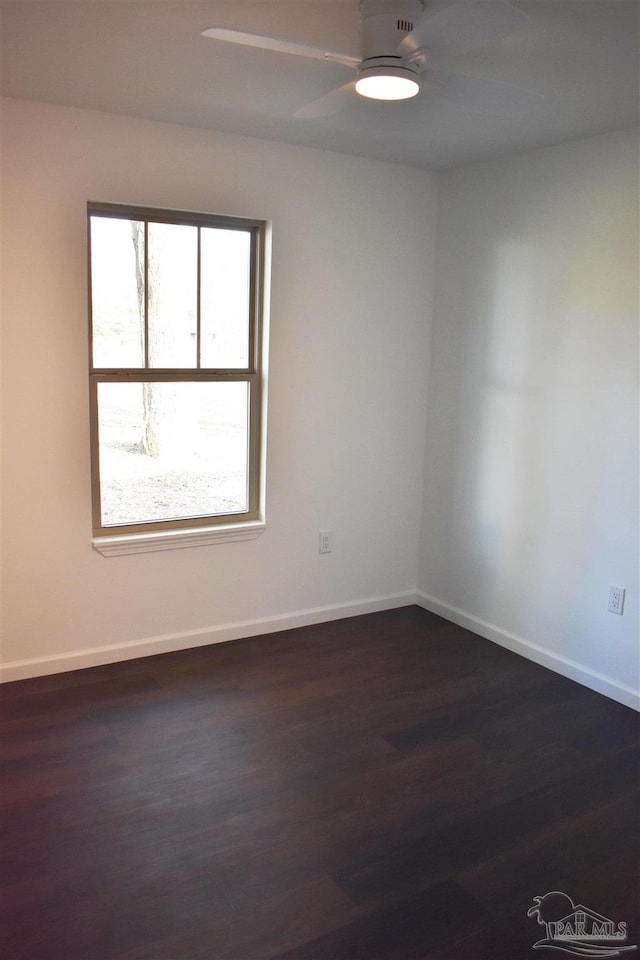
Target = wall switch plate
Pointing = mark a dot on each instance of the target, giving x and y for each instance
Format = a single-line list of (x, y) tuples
[(616, 599), (325, 544)]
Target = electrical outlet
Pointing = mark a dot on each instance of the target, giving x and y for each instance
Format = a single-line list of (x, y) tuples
[(325, 544), (616, 599)]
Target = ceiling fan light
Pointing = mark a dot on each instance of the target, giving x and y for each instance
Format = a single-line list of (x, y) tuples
[(387, 83)]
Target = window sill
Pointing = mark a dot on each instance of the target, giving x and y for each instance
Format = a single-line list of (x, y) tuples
[(177, 539)]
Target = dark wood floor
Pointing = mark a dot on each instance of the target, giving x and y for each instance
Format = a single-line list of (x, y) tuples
[(381, 788)]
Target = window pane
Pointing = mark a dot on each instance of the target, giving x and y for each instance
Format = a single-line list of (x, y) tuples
[(224, 303), (117, 305), (172, 309), (169, 451)]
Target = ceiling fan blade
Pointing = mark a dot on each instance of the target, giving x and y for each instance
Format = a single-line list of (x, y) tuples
[(278, 46), (463, 26), (502, 100), (330, 103)]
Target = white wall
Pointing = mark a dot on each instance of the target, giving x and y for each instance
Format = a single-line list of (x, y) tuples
[(531, 471), (352, 260)]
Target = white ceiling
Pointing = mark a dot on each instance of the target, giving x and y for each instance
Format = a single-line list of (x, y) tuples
[(577, 59)]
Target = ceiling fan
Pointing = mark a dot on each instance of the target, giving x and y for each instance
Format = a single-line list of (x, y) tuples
[(400, 43)]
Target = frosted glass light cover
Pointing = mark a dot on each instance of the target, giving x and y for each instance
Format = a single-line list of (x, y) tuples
[(385, 86)]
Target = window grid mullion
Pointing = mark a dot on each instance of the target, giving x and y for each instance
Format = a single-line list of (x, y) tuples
[(146, 294), (199, 303), (185, 375)]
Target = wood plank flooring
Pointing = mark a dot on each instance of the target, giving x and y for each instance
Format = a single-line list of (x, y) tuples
[(387, 787)]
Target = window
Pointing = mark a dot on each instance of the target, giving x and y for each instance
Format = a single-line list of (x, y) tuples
[(176, 345)]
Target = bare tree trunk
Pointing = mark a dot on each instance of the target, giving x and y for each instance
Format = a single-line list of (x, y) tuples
[(150, 442)]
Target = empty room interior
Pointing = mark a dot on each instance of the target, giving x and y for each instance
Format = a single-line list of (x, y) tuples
[(320, 481)]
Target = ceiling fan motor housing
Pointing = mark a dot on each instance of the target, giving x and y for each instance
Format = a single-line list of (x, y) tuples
[(385, 23)]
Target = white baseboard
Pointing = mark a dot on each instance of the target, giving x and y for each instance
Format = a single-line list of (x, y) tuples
[(532, 651), (98, 656)]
